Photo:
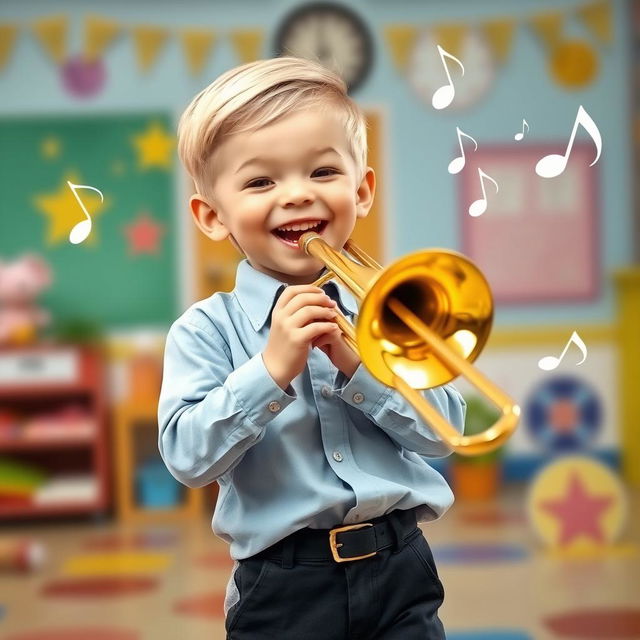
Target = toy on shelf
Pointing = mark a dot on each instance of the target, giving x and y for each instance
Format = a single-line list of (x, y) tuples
[(21, 554), (21, 281)]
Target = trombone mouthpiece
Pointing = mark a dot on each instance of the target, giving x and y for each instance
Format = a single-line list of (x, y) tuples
[(306, 238)]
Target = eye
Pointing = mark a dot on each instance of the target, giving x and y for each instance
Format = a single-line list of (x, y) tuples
[(258, 183), (325, 171)]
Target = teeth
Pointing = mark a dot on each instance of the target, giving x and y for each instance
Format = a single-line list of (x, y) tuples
[(303, 226)]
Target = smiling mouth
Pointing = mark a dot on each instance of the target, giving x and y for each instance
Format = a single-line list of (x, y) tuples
[(291, 238)]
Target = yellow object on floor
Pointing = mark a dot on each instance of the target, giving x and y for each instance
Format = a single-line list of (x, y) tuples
[(109, 564)]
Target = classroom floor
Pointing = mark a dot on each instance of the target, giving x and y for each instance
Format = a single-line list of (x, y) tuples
[(166, 582)]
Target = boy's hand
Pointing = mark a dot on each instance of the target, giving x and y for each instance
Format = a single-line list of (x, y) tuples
[(339, 352), (302, 314)]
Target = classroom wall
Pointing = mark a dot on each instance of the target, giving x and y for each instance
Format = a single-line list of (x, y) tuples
[(421, 197)]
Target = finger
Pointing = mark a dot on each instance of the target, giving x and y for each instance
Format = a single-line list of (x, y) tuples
[(308, 315), (314, 330), (293, 290), (308, 299)]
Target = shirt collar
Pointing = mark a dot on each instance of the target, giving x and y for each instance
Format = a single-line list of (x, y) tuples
[(258, 292)]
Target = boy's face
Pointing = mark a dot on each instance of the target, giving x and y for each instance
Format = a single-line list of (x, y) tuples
[(296, 169)]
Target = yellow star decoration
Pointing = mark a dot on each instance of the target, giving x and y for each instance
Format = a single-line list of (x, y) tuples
[(50, 147), (154, 147), (64, 212)]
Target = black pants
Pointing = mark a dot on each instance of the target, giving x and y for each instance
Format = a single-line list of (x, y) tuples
[(394, 595)]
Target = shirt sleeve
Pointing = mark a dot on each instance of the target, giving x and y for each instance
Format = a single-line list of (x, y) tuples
[(397, 417), (209, 414)]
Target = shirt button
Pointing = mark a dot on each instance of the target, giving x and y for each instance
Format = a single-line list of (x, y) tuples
[(337, 456), (358, 397), (326, 391), (274, 406)]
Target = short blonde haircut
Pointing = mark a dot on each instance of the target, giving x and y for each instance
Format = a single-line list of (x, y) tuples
[(254, 95)]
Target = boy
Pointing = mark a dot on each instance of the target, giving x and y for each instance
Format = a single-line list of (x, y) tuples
[(261, 394)]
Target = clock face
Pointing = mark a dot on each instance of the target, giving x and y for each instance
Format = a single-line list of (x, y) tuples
[(331, 34), (426, 72)]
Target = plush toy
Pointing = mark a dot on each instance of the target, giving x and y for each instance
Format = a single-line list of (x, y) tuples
[(20, 283)]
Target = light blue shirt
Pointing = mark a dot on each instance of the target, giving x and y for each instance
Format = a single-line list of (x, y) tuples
[(326, 451)]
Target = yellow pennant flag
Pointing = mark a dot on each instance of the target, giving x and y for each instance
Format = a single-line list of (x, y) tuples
[(597, 16), (148, 42), (197, 44), (401, 39), (499, 35), (548, 27), (51, 32), (247, 43), (99, 33), (8, 33), (451, 37)]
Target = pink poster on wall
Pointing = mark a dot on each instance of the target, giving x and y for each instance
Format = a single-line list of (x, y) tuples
[(537, 241)]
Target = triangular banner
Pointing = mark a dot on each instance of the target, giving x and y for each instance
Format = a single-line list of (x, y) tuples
[(99, 33), (52, 34), (597, 16), (548, 27), (401, 39), (148, 42), (499, 35), (8, 33), (451, 37), (197, 44), (247, 43)]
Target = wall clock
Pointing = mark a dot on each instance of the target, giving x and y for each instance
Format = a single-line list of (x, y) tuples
[(426, 72), (331, 33)]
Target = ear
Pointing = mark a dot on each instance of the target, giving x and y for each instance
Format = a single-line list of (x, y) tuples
[(207, 219), (365, 193)]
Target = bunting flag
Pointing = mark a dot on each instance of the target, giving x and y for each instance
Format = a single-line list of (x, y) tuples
[(597, 16), (247, 43), (451, 37), (148, 41), (197, 44), (51, 33), (548, 27), (8, 34), (99, 33), (499, 35), (401, 39)]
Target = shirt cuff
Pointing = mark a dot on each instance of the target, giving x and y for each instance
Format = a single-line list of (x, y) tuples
[(363, 391), (257, 392)]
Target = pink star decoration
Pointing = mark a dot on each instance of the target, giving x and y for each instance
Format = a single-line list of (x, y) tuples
[(578, 512), (144, 235)]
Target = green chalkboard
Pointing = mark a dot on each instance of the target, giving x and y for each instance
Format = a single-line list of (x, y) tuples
[(125, 272)]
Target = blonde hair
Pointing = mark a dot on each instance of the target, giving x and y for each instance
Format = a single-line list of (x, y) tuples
[(254, 95)]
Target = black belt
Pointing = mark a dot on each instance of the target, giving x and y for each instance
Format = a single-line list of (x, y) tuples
[(346, 542)]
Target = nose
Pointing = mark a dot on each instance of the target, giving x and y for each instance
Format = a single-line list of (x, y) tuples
[(296, 193)]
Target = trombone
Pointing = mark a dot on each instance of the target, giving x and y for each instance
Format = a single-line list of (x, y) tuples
[(422, 321)]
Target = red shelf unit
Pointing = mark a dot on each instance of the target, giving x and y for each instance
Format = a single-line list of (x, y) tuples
[(40, 378)]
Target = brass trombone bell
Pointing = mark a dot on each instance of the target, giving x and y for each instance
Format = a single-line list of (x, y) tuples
[(422, 321)]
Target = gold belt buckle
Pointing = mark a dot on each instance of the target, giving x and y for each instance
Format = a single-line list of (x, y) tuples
[(334, 545)]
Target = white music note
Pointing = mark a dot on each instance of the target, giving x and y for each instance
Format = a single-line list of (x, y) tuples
[(548, 363), (519, 135), (81, 230), (457, 164), (478, 207), (554, 164), (443, 96)]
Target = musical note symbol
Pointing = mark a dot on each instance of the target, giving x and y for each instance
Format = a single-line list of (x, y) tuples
[(457, 164), (478, 207), (549, 363), (519, 136), (443, 96), (554, 164), (81, 230)]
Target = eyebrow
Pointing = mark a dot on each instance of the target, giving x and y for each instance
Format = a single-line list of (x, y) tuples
[(266, 160)]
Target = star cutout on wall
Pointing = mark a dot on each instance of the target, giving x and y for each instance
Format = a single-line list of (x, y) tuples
[(578, 512), (64, 212), (154, 147), (144, 235), (50, 147)]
